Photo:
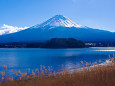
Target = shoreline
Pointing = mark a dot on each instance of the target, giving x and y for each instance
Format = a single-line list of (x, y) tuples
[(105, 64)]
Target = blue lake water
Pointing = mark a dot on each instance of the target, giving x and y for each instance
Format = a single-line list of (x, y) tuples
[(22, 59)]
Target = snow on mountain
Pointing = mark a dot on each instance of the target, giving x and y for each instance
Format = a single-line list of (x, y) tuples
[(57, 21), (58, 27), (6, 29)]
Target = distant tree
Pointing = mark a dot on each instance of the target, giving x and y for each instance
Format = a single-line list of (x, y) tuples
[(63, 43)]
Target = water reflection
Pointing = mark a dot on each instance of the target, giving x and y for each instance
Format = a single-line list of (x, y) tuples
[(21, 59)]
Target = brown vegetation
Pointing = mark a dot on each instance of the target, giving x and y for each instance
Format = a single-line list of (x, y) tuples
[(91, 76)]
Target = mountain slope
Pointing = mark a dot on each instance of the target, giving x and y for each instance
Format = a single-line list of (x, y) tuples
[(58, 27), (57, 21)]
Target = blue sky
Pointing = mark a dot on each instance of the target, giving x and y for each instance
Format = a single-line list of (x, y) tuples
[(98, 14)]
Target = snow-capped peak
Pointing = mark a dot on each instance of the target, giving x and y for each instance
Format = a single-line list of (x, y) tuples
[(59, 20)]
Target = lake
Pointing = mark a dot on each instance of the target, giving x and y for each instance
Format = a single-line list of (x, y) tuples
[(22, 59)]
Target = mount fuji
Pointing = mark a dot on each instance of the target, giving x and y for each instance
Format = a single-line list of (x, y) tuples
[(58, 26), (57, 21)]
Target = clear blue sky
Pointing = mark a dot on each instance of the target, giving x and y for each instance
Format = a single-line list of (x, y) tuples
[(92, 13)]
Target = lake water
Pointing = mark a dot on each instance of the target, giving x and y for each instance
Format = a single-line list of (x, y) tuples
[(22, 59)]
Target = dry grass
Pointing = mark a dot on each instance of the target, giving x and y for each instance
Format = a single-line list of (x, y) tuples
[(98, 76), (91, 76)]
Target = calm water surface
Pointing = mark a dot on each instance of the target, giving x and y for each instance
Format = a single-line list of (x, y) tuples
[(22, 59)]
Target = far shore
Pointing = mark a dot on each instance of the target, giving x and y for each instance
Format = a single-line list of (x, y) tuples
[(48, 48)]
